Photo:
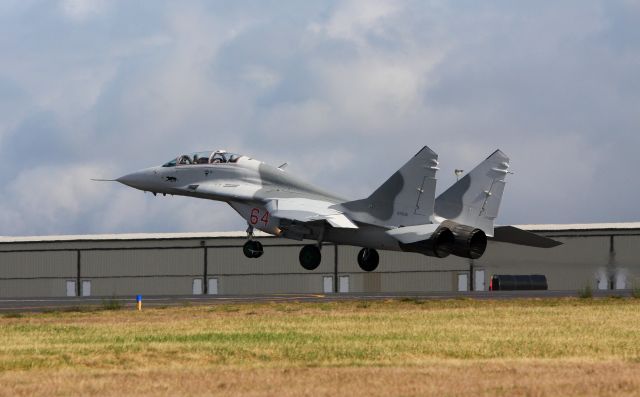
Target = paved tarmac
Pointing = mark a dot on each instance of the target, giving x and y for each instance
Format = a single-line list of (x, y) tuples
[(73, 303)]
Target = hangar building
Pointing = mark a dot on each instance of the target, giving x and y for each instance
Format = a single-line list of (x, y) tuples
[(603, 256)]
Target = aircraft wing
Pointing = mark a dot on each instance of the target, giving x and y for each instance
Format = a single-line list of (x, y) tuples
[(513, 235), (307, 210)]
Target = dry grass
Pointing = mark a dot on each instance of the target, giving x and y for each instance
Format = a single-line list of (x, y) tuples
[(564, 378), (457, 347)]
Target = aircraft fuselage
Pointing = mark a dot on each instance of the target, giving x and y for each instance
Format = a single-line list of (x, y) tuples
[(244, 185)]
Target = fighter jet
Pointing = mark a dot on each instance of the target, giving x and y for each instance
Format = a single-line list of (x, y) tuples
[(402, 214)]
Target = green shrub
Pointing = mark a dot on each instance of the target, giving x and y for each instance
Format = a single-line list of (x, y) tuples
[(112, 304), (586, 292)]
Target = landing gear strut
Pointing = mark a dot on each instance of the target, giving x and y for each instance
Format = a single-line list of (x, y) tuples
[(310, 257), (368, 259)]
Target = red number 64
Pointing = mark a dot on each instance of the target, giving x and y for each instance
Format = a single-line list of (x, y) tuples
[(255, 216)]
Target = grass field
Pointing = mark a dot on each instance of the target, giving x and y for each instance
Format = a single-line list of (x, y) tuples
[(454, 347)]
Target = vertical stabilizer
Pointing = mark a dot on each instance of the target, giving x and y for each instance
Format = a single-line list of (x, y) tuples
[(405, 199), (475, 199)]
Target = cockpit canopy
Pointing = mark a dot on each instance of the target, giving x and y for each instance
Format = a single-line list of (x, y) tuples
[(210, 157)]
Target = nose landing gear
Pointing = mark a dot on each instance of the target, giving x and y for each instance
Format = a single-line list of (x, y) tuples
[(252, 248), (368, 259)]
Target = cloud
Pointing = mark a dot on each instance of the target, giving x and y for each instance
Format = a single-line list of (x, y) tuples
[(41, 198), (81, 10), (344, 91), (355, 20), (64, 199)]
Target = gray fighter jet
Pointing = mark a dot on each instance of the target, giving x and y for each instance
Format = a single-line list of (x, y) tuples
[(403, 214)]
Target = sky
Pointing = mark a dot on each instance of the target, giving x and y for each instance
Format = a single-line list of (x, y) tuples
[(345, 91)]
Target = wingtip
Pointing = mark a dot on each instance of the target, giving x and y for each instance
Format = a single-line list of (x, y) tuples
[(555, 243)]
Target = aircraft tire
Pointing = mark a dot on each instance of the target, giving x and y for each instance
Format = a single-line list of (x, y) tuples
[(368, 259), (258, 249), (252, 249), (310, 257)]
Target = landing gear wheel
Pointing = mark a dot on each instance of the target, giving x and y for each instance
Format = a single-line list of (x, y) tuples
[(368, 259), (252, 249), (310, 257)]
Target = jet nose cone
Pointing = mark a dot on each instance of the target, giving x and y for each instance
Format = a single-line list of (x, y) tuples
[(128, 179), (135, 179), (146, 179)]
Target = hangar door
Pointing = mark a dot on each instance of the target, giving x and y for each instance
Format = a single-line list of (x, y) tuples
[(71, 288), (463, 282), (478, 281)]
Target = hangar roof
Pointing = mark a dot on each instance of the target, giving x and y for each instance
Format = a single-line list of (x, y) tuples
[(581, 226), (240, 234)]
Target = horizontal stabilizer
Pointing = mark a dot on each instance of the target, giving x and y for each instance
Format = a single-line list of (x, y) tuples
[(513, 235), (413, 234)]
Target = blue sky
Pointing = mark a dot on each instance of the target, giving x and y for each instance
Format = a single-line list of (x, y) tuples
[(345, 91)]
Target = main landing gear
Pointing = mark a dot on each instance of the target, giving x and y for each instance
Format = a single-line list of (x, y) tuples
[(368, 259), (310, 257)]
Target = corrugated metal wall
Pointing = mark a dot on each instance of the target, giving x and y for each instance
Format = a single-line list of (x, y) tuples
[(401, 272), (142, 271), (36, 274), (170, 266), (571, 266), (277, 271)]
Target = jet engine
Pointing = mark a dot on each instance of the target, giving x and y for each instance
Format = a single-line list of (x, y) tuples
[(468, 242), (451, 238), (438, 245)]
